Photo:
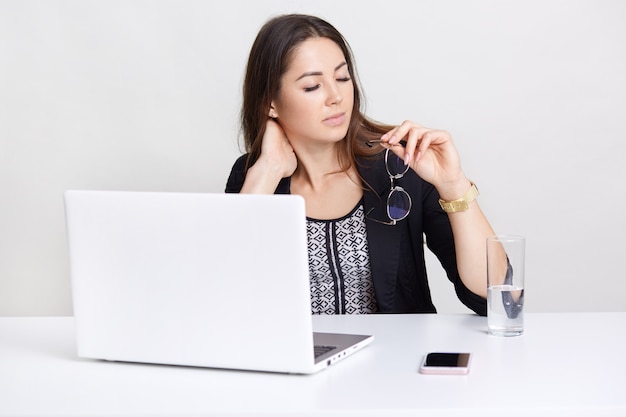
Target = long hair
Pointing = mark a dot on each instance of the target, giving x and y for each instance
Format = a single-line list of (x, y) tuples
[(269, 59)]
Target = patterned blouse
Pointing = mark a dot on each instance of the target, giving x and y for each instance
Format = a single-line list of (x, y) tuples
[(339, 265)]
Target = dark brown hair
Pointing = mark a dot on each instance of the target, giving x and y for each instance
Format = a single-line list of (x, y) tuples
[(269, 59)]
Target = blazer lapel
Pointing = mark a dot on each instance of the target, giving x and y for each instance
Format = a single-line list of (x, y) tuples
[(383, 240)]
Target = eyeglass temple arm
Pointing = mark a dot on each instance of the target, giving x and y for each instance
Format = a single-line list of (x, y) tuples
[(371, 143)]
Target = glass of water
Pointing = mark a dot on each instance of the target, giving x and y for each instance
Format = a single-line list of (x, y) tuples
[(505, 285)]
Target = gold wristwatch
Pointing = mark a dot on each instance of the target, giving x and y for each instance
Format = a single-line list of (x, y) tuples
[(462, 203)]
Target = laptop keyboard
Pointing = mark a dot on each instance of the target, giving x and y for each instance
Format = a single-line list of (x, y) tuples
[(320, 350)]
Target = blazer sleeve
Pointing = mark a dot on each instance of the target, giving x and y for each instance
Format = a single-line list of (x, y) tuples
[(440, 241)]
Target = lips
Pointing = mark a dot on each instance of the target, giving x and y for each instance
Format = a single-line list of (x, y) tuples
[(335, 120)]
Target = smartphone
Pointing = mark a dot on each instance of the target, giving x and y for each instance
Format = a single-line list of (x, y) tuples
[(445, 363)]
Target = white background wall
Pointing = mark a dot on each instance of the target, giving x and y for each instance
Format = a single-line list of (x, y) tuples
[(144, 95)]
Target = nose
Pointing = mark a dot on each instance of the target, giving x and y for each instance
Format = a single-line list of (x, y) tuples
[(334, 94)]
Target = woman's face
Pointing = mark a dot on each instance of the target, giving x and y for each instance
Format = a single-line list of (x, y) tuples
[(316, 97)]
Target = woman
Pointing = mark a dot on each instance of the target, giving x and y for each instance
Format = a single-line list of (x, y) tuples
[(371, 191)]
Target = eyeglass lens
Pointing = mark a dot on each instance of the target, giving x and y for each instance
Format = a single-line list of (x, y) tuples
[(398, 202), (395, 165)]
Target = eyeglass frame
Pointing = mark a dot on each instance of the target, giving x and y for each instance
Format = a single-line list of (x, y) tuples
[(393, 188)]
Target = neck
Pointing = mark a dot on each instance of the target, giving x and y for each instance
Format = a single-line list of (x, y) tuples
[(317, 164)]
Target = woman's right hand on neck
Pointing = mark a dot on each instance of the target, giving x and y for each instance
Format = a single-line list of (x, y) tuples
[(277, 161)]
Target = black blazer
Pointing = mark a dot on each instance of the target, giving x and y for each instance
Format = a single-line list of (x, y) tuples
[(397, 252)]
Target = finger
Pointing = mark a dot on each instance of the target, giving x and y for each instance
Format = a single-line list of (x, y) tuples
[(392, 138), (389, 136), (425, 142), (414, 140), (400, 132), (432, 138), (397, 134), (411, 136), (407, 149)]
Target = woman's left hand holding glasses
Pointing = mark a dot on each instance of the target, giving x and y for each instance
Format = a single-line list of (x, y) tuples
[(432, 155)]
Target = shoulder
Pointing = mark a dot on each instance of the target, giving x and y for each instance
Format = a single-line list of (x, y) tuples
[(240, 163), (237, 175)]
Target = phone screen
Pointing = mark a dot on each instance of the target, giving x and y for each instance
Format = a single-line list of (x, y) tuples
[(445, 363), (448, 360)]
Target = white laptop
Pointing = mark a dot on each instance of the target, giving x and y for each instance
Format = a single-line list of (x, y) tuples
[(209, 280)]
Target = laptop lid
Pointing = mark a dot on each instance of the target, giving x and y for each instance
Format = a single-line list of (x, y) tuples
[(213, 280)]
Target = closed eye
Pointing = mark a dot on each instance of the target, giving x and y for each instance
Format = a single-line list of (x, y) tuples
[(315, 87)]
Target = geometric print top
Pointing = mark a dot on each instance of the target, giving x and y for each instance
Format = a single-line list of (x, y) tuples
[(339, 265)]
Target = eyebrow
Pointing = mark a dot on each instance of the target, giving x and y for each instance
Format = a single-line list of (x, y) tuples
[(318, 73)]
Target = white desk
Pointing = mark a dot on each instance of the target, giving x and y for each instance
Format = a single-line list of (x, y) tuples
[(565, 365)]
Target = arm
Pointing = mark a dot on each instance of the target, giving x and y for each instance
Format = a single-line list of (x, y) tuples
[(470, 229), (433, 156), (277, 161), (440, 241)]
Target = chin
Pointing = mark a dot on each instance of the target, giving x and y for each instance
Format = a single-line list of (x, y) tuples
[(341, 132)]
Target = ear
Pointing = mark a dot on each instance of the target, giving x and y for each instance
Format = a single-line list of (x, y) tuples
[(272, 112)]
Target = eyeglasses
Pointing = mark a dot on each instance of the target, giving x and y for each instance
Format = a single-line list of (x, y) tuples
[(398, 201)]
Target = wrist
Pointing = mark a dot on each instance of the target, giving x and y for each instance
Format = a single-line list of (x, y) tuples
[(462, 203), (261, 178), (453, 190), (269, 168)]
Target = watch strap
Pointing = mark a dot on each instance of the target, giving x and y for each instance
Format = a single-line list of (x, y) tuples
[(460, 204)]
